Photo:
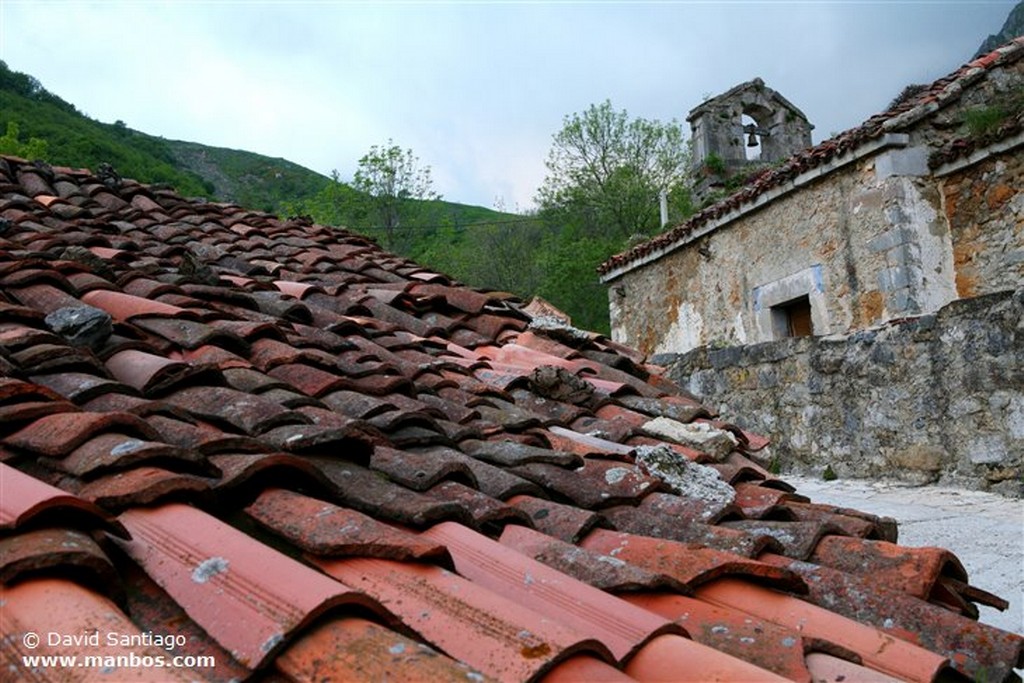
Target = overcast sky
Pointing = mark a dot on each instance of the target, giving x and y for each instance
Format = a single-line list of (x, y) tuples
[(476, 89)]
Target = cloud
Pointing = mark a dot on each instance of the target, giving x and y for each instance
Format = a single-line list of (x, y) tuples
[(475, 89)]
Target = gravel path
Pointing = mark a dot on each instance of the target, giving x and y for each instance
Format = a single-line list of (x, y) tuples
[(984, 530)]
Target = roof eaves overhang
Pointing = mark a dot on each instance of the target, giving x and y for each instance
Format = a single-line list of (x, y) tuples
[(979, 155), (873, 146)]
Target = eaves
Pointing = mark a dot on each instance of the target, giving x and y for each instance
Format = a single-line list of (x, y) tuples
[(979, 155)]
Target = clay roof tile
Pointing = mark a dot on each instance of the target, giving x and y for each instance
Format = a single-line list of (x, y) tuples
[(73, 609), (226, 578), (333, 411), (24, 500)]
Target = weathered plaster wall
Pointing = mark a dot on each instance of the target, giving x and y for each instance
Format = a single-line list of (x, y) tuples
[(878, 244), (940, 397), (984, 206)]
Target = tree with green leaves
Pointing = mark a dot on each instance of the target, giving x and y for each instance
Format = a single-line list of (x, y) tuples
[(606, 172), (34, 149), (391, 177)]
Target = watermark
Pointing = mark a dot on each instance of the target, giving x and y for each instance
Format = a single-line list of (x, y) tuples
[(114, 650)]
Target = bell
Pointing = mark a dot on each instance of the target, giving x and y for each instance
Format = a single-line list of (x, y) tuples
[(752, 139)]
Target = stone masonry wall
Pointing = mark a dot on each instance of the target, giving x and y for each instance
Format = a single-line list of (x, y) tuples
[(879, 245), (935, 398), (984, 206)]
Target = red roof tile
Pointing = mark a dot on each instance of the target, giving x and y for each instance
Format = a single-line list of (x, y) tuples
[(356, 650), (688, 565), (126, 306), (58, 435), (548, 591), (671, 658), (318, 401), (327, 530), (73, 610), (45, 550), (769, 646), (491, 633), (224, 578), (142, 485), (878, 649)]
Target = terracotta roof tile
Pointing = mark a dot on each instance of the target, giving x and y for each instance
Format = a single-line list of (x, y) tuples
[(252, 472), (511, 453), (18, 414), (25, 500), (247, 413), (45, 297), (490, 633), (143, 485), (564, 522), (825, 667), (598, 484), (126, 306), (111, 450), (768, 646), (797, 539), (223, 578), (572, 441), (81, 387), (361, 651), (850, 525), (671, 658), (658, 523), (928, 573), (367, 491), (596, 569), (57, 435), (550, 592), (73, 609), (420, 471), (878, 649), (971, 646), (487, 513), (46, 550), (327, 530), (149, 373), (153, 609), (688, 565), (308, 396), (186, 432)]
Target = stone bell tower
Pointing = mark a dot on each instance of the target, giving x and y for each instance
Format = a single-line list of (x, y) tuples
[(746, 126)]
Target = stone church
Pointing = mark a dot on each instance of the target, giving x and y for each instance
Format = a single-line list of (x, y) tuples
[(917, 207)]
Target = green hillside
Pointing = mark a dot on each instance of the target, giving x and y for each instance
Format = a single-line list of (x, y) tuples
[(73, 139), (246, 178)]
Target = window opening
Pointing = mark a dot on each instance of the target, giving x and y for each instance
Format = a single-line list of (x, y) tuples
[(793, 318)]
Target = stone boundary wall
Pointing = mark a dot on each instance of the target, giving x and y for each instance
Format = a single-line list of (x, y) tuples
[(934, 398)]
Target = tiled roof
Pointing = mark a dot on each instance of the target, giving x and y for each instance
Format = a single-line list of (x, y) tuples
[(902, 115), (315, 460)]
